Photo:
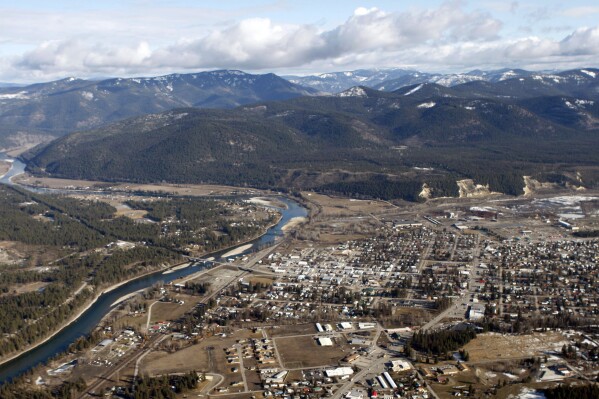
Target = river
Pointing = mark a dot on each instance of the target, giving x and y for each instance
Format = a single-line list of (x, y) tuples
[(91, 317)]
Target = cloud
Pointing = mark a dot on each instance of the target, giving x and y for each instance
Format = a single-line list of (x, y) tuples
[(583, 41), (448, 35), (577, 12)]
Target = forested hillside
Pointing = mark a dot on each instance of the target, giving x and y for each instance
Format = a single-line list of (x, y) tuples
[(362, 142), (47, 110), (80, 237)]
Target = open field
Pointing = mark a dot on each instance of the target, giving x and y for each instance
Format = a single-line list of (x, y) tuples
[(180, 189), (260, 280), (484, 380), (207, 356), (304, 351), (12, 252), (124, 210), (338, 206), (191, 358), (492, 346), (162, 311), (23, 288), (286, 331)]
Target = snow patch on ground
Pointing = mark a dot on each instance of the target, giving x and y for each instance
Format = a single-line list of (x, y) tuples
[(584, 102), (507, 75), (482, 209), (22, 95), (567, 200), (570, 216), (528, 393), (566, 207), (430, 104), (88, 95), (353, 92), (590, 73), (414, 90)]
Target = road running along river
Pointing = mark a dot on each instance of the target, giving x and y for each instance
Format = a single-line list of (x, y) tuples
[(92, 316)]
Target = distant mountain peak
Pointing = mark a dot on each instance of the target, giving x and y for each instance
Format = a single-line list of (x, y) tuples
[(356, 91), (71, 104)]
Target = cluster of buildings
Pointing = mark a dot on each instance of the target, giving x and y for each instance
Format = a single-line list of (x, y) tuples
[(543, 278)]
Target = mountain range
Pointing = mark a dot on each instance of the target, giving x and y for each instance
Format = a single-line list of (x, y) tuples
[(391, 79), (41, 112), (418, 139)]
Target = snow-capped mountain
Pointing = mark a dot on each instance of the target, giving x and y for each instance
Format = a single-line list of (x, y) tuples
[(336, 82), (395, 78), (55, 108)]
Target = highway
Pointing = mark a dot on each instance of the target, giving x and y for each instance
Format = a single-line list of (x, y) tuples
[(106, 378)]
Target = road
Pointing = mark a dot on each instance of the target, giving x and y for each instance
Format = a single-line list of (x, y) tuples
[(458, 308), (94, 389), (374, 367), (150, 314), (376, 359), (138, 354), (242, 368)]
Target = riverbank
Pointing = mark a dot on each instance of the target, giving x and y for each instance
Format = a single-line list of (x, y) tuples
[(89, 316), (267, 201), (294, 222), (4, 167), (77, 315), (237, 251), (102, 291)]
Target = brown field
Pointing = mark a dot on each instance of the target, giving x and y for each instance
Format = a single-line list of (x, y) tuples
[(338, 206), (131, 213), (296, 352), (12, 252), (491, 346), (261, 280), (339, 238), (23, 288), (296, 329), (191, 358), (181, 189), (207, 356), (42, 218), (484, 380), (162, 311)]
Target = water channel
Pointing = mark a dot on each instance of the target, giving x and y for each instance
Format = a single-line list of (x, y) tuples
[(92, 316)]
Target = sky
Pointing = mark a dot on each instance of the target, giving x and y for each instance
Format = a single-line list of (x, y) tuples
[(44, 40)]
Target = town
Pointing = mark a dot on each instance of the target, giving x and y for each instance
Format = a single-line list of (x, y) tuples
[(469, 298)]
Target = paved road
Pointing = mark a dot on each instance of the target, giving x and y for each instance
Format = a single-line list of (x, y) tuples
[(94, 389), (376, 360), (139, 353), (242, 368), (458, 308)]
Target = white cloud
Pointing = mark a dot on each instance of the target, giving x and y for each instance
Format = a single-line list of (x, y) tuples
[(448, 35), (583, 41), (578, 12)]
